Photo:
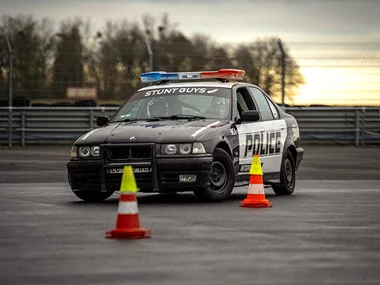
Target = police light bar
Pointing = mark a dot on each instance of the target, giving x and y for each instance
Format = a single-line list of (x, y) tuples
[(154, 76)]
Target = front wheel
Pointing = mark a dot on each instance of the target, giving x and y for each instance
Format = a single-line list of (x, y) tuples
[(222, 178), (92, 196), (287, 176)]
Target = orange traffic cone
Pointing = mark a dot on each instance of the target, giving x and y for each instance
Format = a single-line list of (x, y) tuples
[(128, 222), (256, 195)]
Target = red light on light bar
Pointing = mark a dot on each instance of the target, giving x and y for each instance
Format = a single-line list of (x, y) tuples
[(224, 73)]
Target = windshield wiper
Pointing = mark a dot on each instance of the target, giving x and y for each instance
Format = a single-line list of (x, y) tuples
[(124, 120), (134, 120), (183, 116)]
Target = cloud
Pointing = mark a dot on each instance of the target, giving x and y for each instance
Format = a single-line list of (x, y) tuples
[(223, 20)]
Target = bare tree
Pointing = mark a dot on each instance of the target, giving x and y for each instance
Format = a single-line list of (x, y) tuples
[(69, 62), (32, 46), (113, 59), (261, 60), (121, 59)]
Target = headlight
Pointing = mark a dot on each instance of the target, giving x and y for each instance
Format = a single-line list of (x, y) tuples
[(182, 149), (95, 151), (74, 151), (185, 148), (170, 149), (198, 148), (84, 151)]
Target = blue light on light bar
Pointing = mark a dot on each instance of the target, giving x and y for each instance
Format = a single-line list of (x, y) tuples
[(158, 76)]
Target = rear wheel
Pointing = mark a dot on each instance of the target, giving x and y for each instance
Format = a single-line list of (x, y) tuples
[(222, 178), (287, 176), (92, 196)]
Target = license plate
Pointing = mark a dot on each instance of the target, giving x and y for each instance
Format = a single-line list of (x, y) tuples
[(135, 170)]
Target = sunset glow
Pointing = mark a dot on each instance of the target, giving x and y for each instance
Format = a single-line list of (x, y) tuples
[(339, 86)]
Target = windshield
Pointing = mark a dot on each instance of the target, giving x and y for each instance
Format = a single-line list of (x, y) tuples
[(177, 103)]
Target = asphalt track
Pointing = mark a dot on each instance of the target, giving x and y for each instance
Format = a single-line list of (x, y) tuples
[(327, 232)]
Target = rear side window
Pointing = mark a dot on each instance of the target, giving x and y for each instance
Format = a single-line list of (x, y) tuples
[(273, 108), (265, 111)]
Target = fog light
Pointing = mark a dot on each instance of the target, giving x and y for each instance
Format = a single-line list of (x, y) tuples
[(187, 178)]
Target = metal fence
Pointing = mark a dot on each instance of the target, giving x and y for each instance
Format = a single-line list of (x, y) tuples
[(345, 125), (36, 125), (43, 125)]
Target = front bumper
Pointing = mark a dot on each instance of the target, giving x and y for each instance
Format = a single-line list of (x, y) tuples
[(93, 175)]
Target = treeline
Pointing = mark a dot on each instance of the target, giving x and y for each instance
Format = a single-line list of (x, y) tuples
[(47, 62)]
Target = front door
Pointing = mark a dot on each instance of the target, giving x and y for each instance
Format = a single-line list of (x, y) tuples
[(265, 137), (274, 135)]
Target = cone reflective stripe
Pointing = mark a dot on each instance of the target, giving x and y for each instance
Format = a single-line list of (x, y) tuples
[(256, 194), (128, 221), (127, 204), (128, 213)]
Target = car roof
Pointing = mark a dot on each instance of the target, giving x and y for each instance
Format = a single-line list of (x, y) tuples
[(194, 83)]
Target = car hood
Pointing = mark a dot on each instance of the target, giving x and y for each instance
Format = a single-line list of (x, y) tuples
[(173, 131)]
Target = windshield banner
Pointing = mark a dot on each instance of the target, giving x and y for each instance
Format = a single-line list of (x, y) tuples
[(183, 90)]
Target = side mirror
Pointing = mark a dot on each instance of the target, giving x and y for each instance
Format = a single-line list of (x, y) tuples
[(250, 116), (102, 121)]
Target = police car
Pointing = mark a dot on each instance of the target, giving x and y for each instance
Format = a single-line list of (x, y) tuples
[(198, 133)]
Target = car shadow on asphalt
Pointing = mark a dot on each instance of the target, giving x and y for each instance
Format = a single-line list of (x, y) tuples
[(181, 198), (190, 198), (174, 199)]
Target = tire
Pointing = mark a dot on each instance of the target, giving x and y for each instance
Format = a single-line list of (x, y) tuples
[(222, 179), (92, 196), (287, 176)]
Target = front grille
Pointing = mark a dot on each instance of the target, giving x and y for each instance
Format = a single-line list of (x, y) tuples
[(136, 155), (129, 152)]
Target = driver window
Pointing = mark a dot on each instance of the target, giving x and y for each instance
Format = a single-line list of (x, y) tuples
[(244, 101)]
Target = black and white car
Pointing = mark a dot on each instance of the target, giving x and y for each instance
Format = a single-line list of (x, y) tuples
[(196, 134)]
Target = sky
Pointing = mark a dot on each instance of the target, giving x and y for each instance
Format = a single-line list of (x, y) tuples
[(229, 21), (226, 20)]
